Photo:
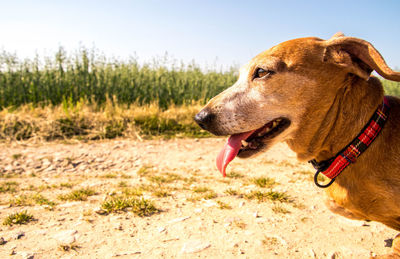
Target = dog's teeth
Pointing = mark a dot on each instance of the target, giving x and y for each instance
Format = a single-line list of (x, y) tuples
[(261, 133), (245, 143), (274, 124)]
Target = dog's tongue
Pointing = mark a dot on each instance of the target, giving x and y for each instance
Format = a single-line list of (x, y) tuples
[(230, 150)]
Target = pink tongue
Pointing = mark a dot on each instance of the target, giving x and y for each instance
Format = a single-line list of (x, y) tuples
[(230, 150)]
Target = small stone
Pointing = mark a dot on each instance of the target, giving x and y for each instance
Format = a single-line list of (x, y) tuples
[(312, 253), (210, 203), (255, 214), (27, 255), (2, 241), (178, 220), (66, 237), (194, 246), (19, 234), (100, 211), (118, 226), (126, 253), (198, 210)]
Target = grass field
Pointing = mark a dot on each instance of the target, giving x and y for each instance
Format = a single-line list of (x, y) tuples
[(88, 75), (87, 96)]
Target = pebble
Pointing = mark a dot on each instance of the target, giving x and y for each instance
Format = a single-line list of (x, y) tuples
[(198, 210), (161, 229), (126, 253), (312, 253), (19, 234), (66, 237), (27, 255), (2, 241), (178, 220), (194, 246)]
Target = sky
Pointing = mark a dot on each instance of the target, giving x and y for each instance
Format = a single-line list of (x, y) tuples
[(216, 33)]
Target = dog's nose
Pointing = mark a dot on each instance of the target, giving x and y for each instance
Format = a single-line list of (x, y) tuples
[(204, 118)]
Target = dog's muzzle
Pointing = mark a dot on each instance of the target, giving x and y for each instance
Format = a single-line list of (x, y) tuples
[(205, 119)]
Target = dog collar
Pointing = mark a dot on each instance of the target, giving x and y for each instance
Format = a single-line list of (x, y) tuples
[(331, 168)]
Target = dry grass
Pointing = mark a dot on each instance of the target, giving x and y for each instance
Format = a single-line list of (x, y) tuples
[(84, 121)]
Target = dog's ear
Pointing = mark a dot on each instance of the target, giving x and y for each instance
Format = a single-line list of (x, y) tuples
[(358, 57), (338, 35)]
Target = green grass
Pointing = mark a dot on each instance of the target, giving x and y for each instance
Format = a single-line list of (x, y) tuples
[(141, 207), (18, 218), (270, 195), (223, 205), (201, 189), (9, 187), (232, 192), (165, 178), (87, 74), (264, 182), (279, 209), (30, 200), (77, 195), (234, 175)]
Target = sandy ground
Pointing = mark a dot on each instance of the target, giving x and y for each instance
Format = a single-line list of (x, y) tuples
[(190, 224)]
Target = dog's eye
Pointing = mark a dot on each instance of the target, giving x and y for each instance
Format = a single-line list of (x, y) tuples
[(260, 72)]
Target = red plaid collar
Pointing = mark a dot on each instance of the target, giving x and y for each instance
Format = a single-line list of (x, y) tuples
[(331, 168)]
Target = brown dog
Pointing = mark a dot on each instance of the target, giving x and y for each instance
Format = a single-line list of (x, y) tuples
[(317, 96)]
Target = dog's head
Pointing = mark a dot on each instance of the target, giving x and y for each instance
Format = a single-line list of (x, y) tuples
[(282, 86)]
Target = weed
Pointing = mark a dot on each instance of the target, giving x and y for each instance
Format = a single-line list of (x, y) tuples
[(69, 247), (166, 178), (123, 184), (18, 218), (21, 200), (201, 189), (109, 175), (16, 156), (140, 207), (232, 192), (125, 176), (77, 195), (270, 195), (133, 191), (161, 193), (10, 187), (264, 182), (223, 206), (209, 195), (145, 170), (66, 185), (41, 200), (240, 224), (234, 175), (189, 180), (279, 209), (270, 241)]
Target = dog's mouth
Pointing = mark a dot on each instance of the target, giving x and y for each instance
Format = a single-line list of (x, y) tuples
[(249, 143)]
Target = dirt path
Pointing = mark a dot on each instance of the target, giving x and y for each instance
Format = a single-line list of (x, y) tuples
[(201, 214)]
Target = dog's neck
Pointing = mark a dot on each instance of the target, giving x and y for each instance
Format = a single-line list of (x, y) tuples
[(326, 132)]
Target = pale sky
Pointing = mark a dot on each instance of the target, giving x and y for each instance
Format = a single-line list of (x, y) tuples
[(207, 31)]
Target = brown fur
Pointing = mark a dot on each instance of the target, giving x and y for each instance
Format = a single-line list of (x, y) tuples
[(325, 89)]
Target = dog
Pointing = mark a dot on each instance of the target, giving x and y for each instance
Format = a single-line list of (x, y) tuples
[(318, 96)]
